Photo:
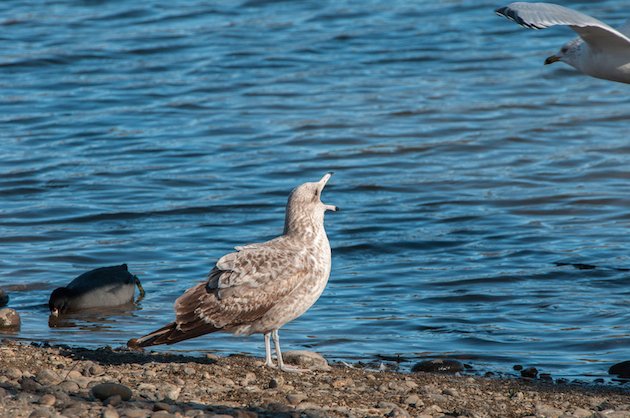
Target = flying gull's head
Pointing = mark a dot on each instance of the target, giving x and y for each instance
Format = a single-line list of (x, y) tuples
[(569, 53)]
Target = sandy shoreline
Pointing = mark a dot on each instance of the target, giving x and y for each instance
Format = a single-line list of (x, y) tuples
[(54, 382)]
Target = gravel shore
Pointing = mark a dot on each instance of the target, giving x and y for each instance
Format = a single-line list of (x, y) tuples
[(68, 382)]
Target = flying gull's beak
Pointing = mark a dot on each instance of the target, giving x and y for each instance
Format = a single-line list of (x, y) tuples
[(322, 183), (552, 59)]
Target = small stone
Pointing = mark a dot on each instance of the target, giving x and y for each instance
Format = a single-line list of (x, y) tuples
[(48, 399), (621, 369), (530, 372), (249, 379), (189, 371), (4, 298), (13, 373), (28, 384), (275, 383), (296, 398), (110, 413), (438, 366), (47, 377), (171, 392), (581, 413), (162, 414), (518, 367), (342, 383), (414, 400), (96, 370), (105, 390), (212, 356), (450, 392), (113, 400), (306, 359), (40, 413), (547, 411), (9, 320), (163, 406), (136, 413), (69, 386)]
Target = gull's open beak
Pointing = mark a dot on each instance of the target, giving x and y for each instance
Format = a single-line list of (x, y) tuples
[(552, 59), (322, 183)]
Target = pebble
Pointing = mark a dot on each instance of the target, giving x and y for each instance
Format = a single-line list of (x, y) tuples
[(40, 413), (110, 413), (621, 369), (547, 411), (113, 400), (48, 400), (69, 386), (4, 298), (9, 320), (275, 383), (136, 413), (438, 366), (105, 390), (306, 359), (189, 371), (28, 384), (162, 414), (13, 373), (296, 398), (414, 400), (47, 377)]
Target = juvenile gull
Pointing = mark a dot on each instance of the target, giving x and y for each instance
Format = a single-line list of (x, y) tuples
[(261, 286), (600, 51), (98, 288)]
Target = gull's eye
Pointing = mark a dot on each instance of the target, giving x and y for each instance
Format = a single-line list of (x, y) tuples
[(564, 49)]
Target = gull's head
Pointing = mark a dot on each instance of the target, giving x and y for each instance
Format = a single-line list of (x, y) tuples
[(305, 205), (308, 196), (569, 53)]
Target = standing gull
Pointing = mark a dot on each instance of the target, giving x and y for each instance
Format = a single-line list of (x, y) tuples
[(261, 286), (600, 51)]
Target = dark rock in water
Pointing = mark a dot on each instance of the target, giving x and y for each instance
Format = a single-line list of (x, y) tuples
[(105, 390), (9, 320), (530, 372), (517, 367), (4, 298), (621, 369), (438, 366), (488, 374), (545, 377)]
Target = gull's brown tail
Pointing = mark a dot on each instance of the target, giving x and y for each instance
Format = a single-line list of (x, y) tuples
[(170, 334)]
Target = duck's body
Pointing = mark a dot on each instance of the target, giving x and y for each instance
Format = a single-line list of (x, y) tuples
[(98, 288)]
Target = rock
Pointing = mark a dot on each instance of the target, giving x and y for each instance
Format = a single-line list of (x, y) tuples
[(96, 370), (189, 371), (162, 414), (13, 373), (306, 359), (547, 411), (136, 413), (621, 369), (113, 400), (4, 298), (105, 390), (40, 413), (110, 413), (438, 366), (517, 367), (530, 372), (296, 398), (414, 400), (48, 400), (69, 386), (9, 320), (275, 383), (28, 384), (451, 392), (163, 406), (47, 377), (581, 413)]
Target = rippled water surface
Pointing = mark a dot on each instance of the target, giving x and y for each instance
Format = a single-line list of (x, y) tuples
[(162, 134)]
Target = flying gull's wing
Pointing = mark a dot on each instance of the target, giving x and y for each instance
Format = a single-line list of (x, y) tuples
[(542, 15)]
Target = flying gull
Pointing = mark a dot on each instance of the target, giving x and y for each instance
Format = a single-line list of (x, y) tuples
[(98, 288), (600, 51), (261, 286)]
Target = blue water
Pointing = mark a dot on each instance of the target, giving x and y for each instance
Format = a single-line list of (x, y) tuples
[(162, 134)]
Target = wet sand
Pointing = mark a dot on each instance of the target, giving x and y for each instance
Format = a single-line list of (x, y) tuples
[(58, 382)]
